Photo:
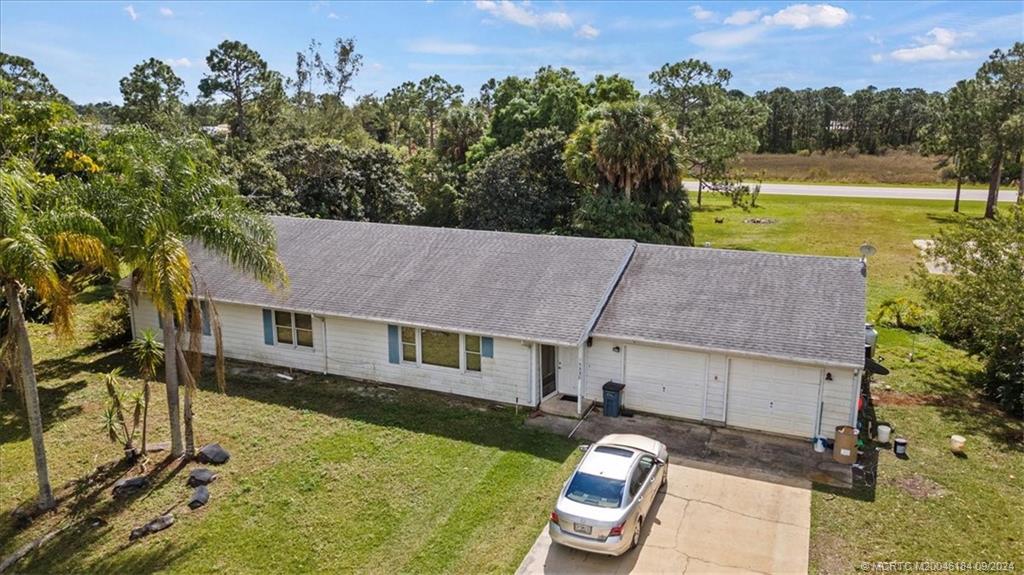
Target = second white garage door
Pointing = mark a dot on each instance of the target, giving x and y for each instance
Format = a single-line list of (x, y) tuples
[(665, 381), (777, 397)]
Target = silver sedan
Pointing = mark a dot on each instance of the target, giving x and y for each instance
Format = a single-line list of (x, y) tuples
[(603, 505)]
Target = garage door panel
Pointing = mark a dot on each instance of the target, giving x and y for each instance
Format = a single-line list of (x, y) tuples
[(776, 397), (664, 381)]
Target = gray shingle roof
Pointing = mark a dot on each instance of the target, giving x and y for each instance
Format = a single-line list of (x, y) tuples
[(804, 308), (535, 287)]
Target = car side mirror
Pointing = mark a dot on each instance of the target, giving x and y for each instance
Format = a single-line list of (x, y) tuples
[(660, 461), (584, 447)]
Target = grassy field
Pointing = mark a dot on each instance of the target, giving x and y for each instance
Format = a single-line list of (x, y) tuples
[(334, 475), (893, 169), (325, 474)]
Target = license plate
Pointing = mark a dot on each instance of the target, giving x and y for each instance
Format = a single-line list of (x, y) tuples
[(580, 528)]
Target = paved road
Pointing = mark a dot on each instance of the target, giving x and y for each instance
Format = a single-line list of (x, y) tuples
[(706, 522), (874, 192)]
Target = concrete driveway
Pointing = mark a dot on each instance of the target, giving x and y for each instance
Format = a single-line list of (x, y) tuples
[(707, 522)]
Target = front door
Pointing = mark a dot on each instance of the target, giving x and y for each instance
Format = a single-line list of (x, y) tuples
[(547, 370)]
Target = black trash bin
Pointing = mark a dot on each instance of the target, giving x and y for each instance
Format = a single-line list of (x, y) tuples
[(613, 398)]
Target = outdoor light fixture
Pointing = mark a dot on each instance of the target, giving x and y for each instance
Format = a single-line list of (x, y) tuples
[(828, 376), (616, 349)]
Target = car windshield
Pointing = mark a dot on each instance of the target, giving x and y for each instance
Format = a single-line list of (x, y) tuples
[(594, 490)]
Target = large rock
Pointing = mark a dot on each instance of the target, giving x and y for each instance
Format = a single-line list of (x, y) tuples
[(213, 453), (201, 476), (159, 524), (130, 485), (199, 497)]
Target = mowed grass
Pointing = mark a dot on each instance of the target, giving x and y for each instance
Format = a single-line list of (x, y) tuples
[(326, 475), (975, 511)]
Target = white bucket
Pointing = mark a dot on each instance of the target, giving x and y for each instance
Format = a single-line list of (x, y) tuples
[(819, 445), (956, 443), (883, 432)]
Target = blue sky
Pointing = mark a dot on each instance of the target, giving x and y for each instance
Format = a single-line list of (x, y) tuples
[(86, 47)]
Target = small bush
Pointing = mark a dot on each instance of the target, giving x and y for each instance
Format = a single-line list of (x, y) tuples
[(805, 153), (111, 327), (902, 313), (852, 152)]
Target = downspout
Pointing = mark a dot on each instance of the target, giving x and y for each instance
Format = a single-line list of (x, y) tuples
[(323, 321), (533, 375), (580, 355)]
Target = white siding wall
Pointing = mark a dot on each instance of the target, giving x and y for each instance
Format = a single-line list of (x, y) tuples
[(359, 349), (718, 376), (837, 397), (603, 365), (242, 329)]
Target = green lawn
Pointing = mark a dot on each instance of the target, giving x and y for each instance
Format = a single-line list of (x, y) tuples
[(335, 475), (325, 474)]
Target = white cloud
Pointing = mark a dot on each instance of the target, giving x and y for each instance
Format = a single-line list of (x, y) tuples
[(701, 14), (131, 12), (935, 46), (332, 16), (442, 47), (165, 11), (727, 38), (522, 13), (800, 16), (587, 31), (178, 62), (743, 17), (876, 58)]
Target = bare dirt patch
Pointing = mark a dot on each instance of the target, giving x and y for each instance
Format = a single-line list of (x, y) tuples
[(920, 487)]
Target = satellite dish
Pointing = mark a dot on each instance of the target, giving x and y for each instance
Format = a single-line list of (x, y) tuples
[(867, 250)]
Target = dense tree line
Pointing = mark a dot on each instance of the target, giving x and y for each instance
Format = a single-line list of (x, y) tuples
[(869, 120), (426, 146)]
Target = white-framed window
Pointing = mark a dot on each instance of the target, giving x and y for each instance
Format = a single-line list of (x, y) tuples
[(295, 329), (472, 352), (436, 348), (409, 345)]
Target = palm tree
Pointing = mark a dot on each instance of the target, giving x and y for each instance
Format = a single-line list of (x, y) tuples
[(148, 353), (168, 196), (623, 148), (40, 224)]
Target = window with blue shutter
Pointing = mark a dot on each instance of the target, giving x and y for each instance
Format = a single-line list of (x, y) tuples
[(393, 345), (487, 347), (268, 327)]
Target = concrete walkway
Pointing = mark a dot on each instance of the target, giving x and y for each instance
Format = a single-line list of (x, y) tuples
[(706, 522), (1005, 195)]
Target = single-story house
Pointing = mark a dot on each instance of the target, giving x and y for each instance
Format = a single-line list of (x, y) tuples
[(753, 340)]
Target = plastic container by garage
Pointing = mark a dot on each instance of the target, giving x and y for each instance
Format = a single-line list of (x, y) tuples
[(845, 449), (882, 433)]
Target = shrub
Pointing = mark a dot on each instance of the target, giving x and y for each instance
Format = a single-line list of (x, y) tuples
[(902, 313), (804, 153), (111, 327)]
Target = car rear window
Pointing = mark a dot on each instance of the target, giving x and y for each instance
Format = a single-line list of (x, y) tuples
[(620, 451), (594, 490)]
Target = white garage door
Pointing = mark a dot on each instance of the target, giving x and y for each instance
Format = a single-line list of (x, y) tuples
[(776, 397), (665, 381)]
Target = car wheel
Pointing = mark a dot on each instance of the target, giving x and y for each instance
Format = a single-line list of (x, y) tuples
[(636, 533)]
